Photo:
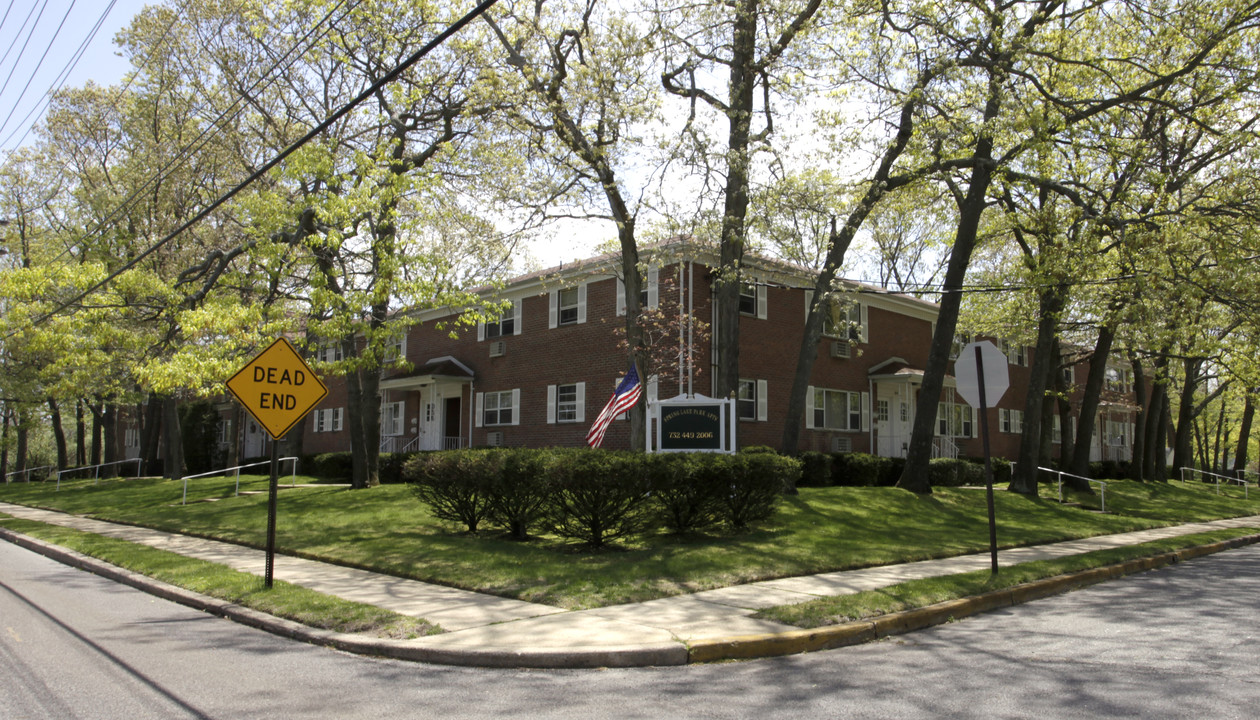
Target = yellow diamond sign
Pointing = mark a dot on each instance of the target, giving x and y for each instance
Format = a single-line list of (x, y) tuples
[(277, 388)]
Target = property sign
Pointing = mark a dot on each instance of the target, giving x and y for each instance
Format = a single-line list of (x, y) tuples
[(980, 357), (694, 425), (277, 388)]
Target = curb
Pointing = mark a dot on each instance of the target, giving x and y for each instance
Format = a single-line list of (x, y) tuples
[(627, 656), (862, 631), (734, 648)]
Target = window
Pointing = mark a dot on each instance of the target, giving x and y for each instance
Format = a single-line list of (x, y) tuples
[(1057, 434), (504, 325), (1117, 380), (1012, 421), (1069, 376), (843, 320), (881, 410), (328, 420), (330, 353), (961, 341), (565, 403), (1015, 353), (746, 401), (649, 294), (568, 306), (396, 350), (747, 298), (1117, 433), (392, 418), (499, 408), (131, 437), (954, 420), (837, 409)]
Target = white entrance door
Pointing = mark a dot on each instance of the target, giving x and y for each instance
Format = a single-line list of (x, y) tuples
[(892, 419), (430, 425)]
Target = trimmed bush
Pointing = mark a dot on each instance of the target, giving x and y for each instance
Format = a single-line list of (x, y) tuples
[(598, 496), (748, 485), (855, 470), (520, 491), (456, 485), (685, 500), (815, 469), (950, 472), (337, 466)]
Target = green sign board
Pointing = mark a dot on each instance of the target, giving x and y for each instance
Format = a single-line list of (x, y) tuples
[(692, 426)]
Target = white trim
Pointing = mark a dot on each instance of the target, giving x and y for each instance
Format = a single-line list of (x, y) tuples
[(516, 407), (518, 319), (551, 404), (581, 402), (762, 302), (480, 407), (809, 408), (553, 309), (762, 402), (581, 308)]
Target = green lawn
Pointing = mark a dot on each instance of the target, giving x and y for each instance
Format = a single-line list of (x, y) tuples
[(822, 529)]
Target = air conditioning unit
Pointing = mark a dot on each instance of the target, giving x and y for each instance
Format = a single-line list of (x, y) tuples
[(494, 439), (841, 349), (498, 348), (841, 444)]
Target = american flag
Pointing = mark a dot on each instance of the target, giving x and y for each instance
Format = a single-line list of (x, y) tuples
[(624, 398)]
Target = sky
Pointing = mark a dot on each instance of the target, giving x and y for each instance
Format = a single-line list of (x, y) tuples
[(47, 44)]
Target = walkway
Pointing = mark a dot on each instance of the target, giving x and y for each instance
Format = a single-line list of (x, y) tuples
[(489, 630)]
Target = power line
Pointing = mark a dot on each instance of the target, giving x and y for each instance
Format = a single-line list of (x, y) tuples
[(38, 65), (315, 132)]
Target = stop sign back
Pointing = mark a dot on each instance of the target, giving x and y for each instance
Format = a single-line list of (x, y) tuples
[(996, 374)]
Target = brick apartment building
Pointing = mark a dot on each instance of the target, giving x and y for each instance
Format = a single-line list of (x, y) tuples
[(540, 374)]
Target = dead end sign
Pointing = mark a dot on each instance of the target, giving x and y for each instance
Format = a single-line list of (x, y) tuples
[(277, 388)]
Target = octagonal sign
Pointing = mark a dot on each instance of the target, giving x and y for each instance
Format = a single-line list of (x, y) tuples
[(277, 388), (996, 373)]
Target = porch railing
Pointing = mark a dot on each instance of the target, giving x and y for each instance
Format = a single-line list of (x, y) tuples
[(943, 447)]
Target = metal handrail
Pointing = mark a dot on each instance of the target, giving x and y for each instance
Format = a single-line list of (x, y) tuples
[(28, 472), (1102, 485), (237, 469), (1219, 478), (97, 469)]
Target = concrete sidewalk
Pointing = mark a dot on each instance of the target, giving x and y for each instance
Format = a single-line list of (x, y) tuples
[(494, 631)]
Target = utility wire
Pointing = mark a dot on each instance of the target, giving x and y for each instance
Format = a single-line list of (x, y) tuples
[(328, 122), (38, 65), (21, 52), (32, 118)]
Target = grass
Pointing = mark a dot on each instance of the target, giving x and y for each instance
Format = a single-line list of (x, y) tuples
[(927, 591), (282, 600), (823, 529)]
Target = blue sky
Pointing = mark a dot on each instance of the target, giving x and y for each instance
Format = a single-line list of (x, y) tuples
[(39, 40)]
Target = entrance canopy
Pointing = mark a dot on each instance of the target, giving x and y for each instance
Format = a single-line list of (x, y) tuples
[(440, 369)]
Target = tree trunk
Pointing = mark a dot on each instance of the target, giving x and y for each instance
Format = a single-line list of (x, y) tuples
[(1138, 451), (151, 434), (80, 435), (1244, 433), (1088, 414), (4, 441), (98, 429), (109, 426), (1024, 480), (173, 441), (1182, 440), (59, 435), (1161, 457)]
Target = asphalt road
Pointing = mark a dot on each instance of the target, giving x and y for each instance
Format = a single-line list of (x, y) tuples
[(1175, 643)]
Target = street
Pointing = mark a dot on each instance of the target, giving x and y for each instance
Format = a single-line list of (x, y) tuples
[(1179, 642)]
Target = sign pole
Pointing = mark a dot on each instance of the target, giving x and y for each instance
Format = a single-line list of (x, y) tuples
[(988, 463), (273, 490)]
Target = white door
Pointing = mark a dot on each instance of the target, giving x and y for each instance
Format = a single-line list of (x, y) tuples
[(892, 419), (430, 426)]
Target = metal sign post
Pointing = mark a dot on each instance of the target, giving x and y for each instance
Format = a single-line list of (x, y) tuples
[(973, 386), (278, 389)]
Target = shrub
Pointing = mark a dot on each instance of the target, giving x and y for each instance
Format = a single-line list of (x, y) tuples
[(520, 491), (455, 484), (890, 469), (336, 466), (685, 500), (815, 469), (598, 496), (1109, 470), (950, 472), (758, 450), (747, 486), (855, 470), (390, 467)]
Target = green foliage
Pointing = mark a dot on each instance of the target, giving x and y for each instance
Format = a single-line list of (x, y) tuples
[(455, 484), (815, 469), (686, 497), (199, 426), (950, 472), (520, 491), (335, 466), (390, 466), (749, 484), (861, 470), (598, 496)]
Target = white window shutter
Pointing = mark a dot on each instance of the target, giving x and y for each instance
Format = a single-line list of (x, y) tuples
[(551, 404), (621, 296), (866, 411), (1004, 419), (866, 323), (761, 302), (581, 402), (581, 303), (518, 321), (516, 407), (809, 298), (809, 408), (975, 422), (338, 419), (481, 330), (654, 288), (553, 299), (480, 411), (762, 400)]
